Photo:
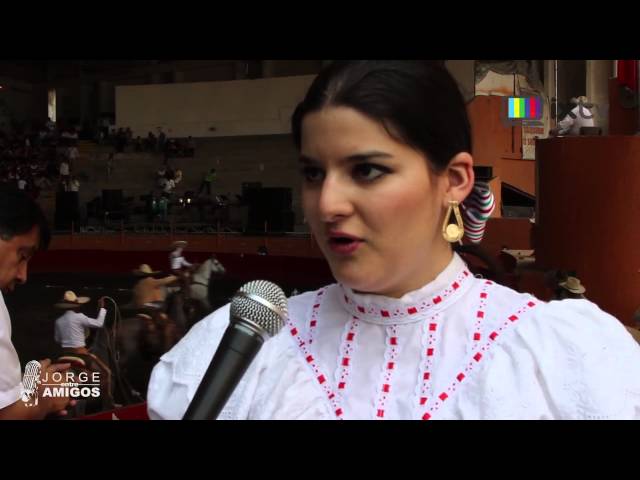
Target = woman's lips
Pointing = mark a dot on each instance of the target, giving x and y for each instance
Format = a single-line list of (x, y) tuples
[(343, 243)]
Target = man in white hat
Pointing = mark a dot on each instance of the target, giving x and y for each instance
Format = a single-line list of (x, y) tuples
[(176, 258), (72, 327), (23, 231), (572, 288), (72, 330), (580, 116), (150, 289), (180, 267)]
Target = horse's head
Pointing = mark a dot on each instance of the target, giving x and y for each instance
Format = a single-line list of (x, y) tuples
[(203, 272), (209, 267), (216, 267)]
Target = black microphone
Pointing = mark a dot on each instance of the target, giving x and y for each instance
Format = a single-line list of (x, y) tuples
[(258, 312)]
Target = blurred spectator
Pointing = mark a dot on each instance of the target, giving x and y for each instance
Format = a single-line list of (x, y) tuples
[(161, 176), (73, 185), (110, 164), (72, 153), (151, 142), (64, 170), (191, 148), (42, 135), (171, 148), (208, 179), (120, 140), (161, 140), (169, 186), (178, 176)]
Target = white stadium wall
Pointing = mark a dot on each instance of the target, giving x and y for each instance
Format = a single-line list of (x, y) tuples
[(211, 109)]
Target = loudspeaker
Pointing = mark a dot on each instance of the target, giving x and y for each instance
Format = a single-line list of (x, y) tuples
[(67, 210), (288, 220), (248, 189), (483, 173), (93, 207), (112, 200), (279, 198), (271, 205), (517, 203)]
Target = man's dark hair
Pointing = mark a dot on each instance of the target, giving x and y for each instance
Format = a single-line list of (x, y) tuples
[(19, 213)]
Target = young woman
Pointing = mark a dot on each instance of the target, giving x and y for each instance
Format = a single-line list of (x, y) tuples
[(406, 332)]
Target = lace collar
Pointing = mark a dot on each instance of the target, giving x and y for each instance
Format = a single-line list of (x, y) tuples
[(444, 290)]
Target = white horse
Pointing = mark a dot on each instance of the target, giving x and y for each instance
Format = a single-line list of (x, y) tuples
[(200, 281)]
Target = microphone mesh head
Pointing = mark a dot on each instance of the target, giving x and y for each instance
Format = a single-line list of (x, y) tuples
[(31, 376), (263, 316)]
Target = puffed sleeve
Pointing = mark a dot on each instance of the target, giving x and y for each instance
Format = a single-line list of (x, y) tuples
[(589, 364)]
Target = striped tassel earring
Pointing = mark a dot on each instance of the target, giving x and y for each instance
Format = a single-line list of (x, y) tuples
[(476, 209)]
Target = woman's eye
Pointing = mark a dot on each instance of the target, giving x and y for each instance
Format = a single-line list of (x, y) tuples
[(312, 174), (369, 171)]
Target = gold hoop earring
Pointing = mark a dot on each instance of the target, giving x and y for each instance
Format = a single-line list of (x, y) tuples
[(453, 232)]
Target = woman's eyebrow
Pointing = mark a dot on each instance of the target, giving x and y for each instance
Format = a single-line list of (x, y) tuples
[(354, 158)]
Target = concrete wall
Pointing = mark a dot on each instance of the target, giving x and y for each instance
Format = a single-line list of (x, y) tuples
[(598, 74), (286, 68), (497, 84), (22, 101), (464, 73), (212, 109), (572, 80)]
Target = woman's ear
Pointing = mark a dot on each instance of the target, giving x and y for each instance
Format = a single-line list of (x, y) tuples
[(460, 178)]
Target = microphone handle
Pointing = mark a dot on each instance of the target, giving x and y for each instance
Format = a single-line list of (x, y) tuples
[(236, 351)]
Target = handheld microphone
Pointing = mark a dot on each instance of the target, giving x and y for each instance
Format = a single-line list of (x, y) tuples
[(258, 312), (30, 382)]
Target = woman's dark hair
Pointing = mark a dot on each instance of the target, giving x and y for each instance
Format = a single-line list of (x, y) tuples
[(19, 213), (418, 102)]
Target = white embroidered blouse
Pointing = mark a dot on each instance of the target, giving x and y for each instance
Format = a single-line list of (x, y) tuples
[(458, 348)]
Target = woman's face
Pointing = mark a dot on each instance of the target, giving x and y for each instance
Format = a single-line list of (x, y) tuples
[(372, 202)]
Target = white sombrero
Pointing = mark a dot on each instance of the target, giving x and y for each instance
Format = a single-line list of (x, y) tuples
[(71, 300), (581, 100), (573, 285), (144, 270), (179, 244)]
